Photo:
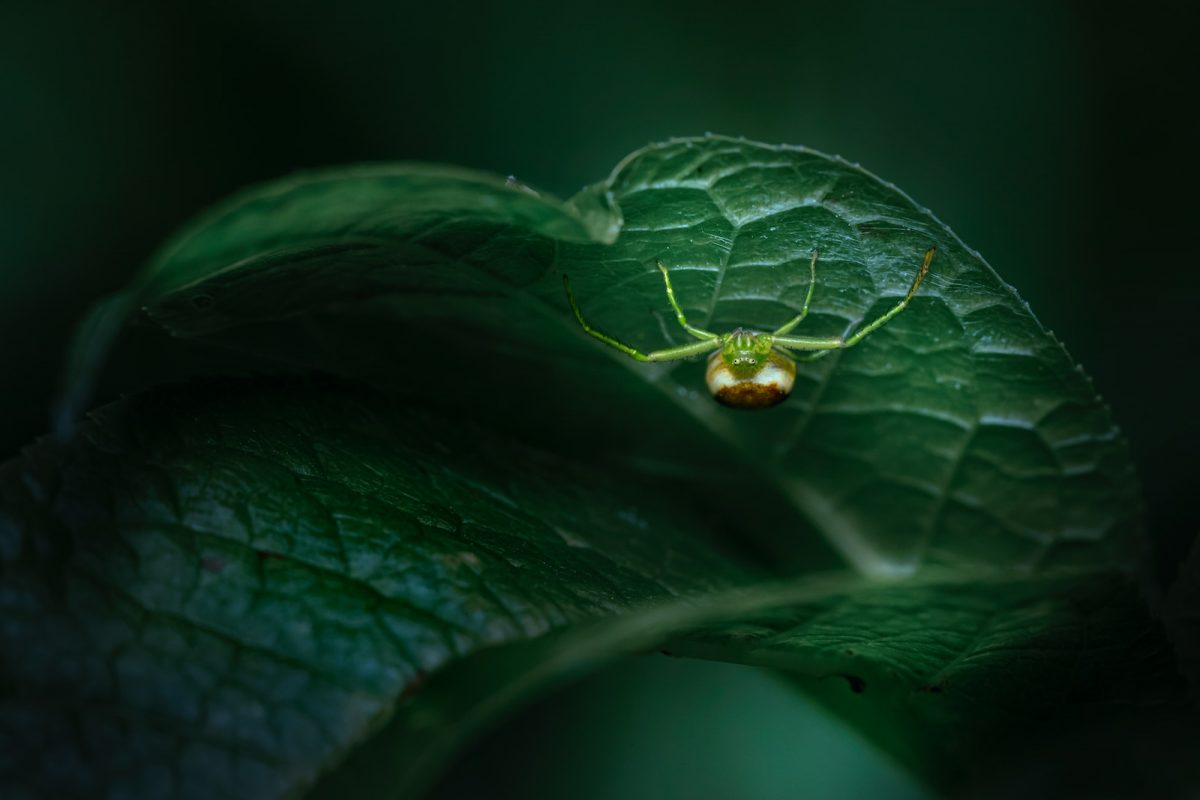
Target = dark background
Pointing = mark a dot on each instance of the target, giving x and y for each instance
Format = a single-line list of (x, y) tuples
[(1056, 139)]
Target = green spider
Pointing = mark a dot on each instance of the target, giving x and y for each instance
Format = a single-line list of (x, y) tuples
[(748, 369)]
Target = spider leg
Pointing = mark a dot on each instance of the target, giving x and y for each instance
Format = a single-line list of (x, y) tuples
[(669, 354), (812, 282), (699, 333), (684, 350), (896, 309), (817, 347), (814, 356), (823, 347)]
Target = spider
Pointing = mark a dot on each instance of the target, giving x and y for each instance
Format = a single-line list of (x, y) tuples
[(749, 369)]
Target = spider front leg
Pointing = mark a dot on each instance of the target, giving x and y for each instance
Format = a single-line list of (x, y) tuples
[(824, 347), (669, 354), (699, 333), (812, 282)]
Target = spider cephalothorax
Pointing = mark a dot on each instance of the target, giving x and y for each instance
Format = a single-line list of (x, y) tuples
[(748, 369), (744, 351)]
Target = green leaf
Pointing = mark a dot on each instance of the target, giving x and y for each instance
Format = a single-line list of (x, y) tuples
[(961, 433), (941, 669), (226, 587), (235, 588), (356, 217), (958, 449)]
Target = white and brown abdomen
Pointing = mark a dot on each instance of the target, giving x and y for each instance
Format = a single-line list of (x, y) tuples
[(767, 387)]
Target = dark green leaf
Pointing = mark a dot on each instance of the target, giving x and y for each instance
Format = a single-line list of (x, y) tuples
[(232, 588), (220, 590), (961, 433), (958, 448), (937, 669)]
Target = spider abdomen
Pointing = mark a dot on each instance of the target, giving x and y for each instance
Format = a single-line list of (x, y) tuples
[(766, 387)]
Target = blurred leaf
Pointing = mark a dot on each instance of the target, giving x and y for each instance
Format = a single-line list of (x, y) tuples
[(322, 237), (937, 668), (220, 589), (229, 588), (961, 433)]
